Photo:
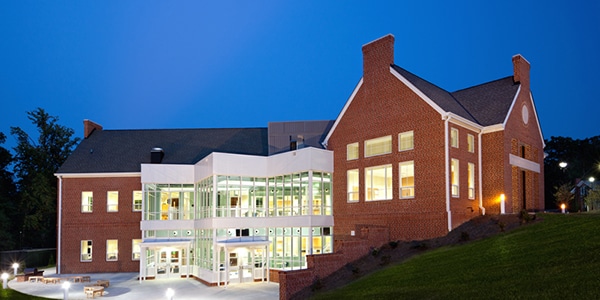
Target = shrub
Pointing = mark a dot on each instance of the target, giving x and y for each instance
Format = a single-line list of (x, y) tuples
[(385, 260), (464, 236), (393, 244), (374, 251)]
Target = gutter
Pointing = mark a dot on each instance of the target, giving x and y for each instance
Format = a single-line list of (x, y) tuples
[(446, 119)]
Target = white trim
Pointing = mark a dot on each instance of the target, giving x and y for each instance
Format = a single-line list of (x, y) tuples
[(480, 172), (418, 92), (512, 106), (492, 128), (98, 175), (59, 233), (523, 163), (339, 118), (537, 121), (458, 120), (381, 38), (447, 170)]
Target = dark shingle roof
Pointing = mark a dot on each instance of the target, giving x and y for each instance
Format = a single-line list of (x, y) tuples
[(489, 102), (485, 104), (124, 150)]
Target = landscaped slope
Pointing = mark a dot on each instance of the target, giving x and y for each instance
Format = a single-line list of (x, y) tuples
[(556, 257)]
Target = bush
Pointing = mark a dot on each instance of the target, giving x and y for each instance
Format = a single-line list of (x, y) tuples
[(464, 236), (393, 244), (374, 251), (385, 260)]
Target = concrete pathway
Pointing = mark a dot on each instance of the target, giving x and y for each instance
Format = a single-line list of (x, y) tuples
[(125, 286)]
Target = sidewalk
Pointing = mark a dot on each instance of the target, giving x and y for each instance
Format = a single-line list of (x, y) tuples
[(126, 286)]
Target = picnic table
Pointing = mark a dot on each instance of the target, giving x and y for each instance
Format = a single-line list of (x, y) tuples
[(91, 291), (47, 280)]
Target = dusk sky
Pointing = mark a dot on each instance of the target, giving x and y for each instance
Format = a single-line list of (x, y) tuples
[(198, 64)]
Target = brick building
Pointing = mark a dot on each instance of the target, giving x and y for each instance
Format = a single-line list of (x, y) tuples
[(404, 158)]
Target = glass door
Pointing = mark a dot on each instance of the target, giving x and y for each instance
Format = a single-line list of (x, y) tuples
[(168, 264)]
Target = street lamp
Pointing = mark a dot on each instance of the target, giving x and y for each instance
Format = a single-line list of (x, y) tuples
[(66, 287), (15, 267), (563, 208), (562, 164)]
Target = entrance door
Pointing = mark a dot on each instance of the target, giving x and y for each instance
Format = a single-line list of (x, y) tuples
[(241, 266), (169, 263)]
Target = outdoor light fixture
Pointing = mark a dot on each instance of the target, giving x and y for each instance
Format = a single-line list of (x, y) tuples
[(66, 287), (15, 267), (592, 179), (502, 199), (170, 294), (4, 278), (562, 164), (563, 208)]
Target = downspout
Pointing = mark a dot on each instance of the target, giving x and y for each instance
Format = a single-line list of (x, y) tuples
[(447, 170), (59, 233), (480, 174)]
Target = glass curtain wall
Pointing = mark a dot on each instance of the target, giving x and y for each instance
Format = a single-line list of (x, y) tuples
[(169, 202)]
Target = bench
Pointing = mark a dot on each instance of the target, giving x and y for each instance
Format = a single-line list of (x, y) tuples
[(93, 291), (29, 272), (104, 283)]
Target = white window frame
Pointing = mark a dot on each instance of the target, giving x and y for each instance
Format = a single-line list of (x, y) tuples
[(135, 245), (410, 188), (454, 137), (112, 207), (406, 134), (87, 202), (471, 180), (471, 143), (352, 151), (85, 252), (378, 146), (353, 196), (369, 184), (455, 178), (110, 255), (133, 204)]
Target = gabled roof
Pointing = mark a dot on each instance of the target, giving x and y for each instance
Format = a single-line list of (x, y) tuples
[(108, 151), (490, 102)]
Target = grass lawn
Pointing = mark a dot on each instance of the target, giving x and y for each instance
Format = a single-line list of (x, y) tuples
[(558, 257), (14, 295)]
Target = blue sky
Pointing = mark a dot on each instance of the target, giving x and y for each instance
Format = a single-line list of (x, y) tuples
[(199, 64)]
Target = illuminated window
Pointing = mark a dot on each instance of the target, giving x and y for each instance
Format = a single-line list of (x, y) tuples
[(112, 250), (135, 249), (406, 141), (378, 183), (352, 185), (352, 151), (471, 183), (378, 146), (137, 200), (86, 250), (471, 143), (454, 177), (112, 201), (87, 200), (407, 179), (454, 137)]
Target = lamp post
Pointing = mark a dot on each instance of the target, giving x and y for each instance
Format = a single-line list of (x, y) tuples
[(4, 278), (66, 287), (170, 294), (15, 267)]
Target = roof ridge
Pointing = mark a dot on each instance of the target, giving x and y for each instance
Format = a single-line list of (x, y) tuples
[(481, 84)]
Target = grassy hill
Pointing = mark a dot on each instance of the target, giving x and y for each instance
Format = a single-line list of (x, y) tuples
[(557, 257)]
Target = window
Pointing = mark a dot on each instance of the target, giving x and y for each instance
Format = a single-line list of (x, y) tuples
[(352, 151), (112, 250), (137, 201), (454, 137), (454, 177), (352, 178), (135, 249), (112, 201), (378, 183), (86, 250), (378, 146), (87, 201), (407, 179), (471, 143), (406, 141), (471, 183)]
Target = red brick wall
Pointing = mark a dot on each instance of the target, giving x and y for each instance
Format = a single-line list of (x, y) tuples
[(99, 225)]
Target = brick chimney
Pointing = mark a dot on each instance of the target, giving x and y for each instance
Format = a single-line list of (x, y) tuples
[(521, 70), (378, 55), (89, 127)]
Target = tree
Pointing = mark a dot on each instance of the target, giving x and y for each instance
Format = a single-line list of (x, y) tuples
[(35, 165), (563, 195), (7, 199), (592, 200)]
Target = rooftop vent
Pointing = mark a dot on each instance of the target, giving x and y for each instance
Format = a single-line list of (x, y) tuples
[(156, 155)]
